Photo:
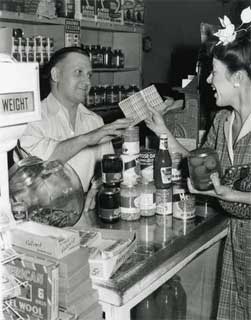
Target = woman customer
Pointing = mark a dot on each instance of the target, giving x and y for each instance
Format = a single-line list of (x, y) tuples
[(230, 136)]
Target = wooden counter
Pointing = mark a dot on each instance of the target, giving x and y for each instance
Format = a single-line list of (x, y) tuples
[(164, 247)]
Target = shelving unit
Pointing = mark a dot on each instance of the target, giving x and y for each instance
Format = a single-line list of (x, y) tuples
[(115, 35)]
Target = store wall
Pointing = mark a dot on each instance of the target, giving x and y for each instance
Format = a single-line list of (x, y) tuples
[(174, 27)]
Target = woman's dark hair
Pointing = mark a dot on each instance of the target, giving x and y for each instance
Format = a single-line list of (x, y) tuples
[(45, 72), (237, 54)]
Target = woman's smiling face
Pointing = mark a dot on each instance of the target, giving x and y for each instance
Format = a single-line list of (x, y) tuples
[(221, 82)]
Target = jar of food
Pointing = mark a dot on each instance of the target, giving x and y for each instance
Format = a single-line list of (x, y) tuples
[(202, 163), (109, 204), (131, 140), (147, 198), (129, 202), (112, 167), (146, 159)]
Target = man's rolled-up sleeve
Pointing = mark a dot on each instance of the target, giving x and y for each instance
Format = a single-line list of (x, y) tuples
[(37, 143)]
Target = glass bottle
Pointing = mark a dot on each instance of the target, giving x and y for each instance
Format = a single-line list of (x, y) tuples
[(146, 309), (121, 59), (165, 299), (147, 198), (129, 201), (180, 299), (109, 203), (163, 165)]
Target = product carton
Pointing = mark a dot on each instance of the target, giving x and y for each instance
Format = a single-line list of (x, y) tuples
[(109, 251), (47, 240), (39, 289)]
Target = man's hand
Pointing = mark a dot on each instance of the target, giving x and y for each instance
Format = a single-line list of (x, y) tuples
[(109, 131)]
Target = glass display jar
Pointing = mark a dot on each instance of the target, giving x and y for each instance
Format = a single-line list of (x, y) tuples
[(129, 201), (202, 163), (51, 191)]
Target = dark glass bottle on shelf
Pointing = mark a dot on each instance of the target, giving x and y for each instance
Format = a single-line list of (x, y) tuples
[(163, 165), (146, 310), (165, 299), (121, 56), (180, 299)]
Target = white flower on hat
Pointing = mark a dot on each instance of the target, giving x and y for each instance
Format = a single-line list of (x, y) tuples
[(246, 15), (228, 34)]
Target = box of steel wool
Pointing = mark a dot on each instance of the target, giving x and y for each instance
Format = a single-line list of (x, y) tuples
[(39, 287)]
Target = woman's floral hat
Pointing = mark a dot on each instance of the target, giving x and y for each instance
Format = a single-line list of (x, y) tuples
[(228, 34)]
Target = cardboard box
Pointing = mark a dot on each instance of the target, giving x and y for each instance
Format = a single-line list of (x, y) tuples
[(109, 252), (39, 293), (50, 241)]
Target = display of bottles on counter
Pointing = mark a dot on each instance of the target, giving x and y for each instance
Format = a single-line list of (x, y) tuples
[(147, 182), (31, 49), (108, 95), (104, 57)]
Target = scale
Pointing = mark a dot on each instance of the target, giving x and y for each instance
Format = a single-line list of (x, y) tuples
[(19, 105)]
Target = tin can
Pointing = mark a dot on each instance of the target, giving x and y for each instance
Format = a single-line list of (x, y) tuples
[(131, 143), (112, 167), (183, 202), (146, 159), (164, 201), (129, 202), (109, 204)]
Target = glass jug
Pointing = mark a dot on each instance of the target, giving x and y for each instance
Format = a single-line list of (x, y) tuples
[(51, 191)]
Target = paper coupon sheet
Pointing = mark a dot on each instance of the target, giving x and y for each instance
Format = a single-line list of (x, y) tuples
[(136, 107)]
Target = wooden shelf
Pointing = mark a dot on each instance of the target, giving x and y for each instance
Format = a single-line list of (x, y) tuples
[(85, 24), (126, 69)]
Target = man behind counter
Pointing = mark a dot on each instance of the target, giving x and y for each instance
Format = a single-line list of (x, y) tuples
[(69, 131)]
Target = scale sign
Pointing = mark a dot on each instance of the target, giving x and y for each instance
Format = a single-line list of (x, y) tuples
[(18, 102)]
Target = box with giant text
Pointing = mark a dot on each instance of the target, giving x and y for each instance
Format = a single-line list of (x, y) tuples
[(39, 290)]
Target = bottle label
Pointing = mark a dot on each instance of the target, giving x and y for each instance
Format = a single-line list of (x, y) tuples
[(147, 201), (183, 204), (163, 144), (164, 201), (109, 214), (166, 175), (111, 177), (130, 147), (130, 209)]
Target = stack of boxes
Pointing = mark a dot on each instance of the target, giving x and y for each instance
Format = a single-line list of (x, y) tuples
[(75, 286), (56, 271)]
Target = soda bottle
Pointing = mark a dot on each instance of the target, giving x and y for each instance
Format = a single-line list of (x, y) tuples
[(162, 170), (146, 309), (163, 165), (180, 299), (165, 301)]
